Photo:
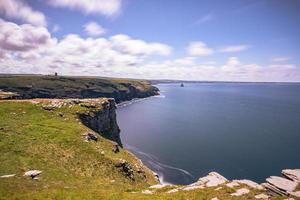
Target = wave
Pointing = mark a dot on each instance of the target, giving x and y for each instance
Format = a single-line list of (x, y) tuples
[(157, 166)]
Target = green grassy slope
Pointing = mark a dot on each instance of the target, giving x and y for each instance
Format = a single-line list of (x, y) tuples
[(76, 87), (33, 138)]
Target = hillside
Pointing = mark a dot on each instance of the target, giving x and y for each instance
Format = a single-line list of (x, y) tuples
[(48, 135), (28, 87)]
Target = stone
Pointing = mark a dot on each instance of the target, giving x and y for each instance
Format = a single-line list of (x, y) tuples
[(147, 192), (213, 179), (282, 183), (296, 194), (293, 174), (8, 176), (240, 192), (250, 183), (90, 136), (232, 184), (126, 169), (218, 188), (215, 198), (193, 187), (32, 173), (116, 148), (262, 196)]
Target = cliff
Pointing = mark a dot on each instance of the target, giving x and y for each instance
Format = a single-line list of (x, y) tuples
[(29, 87), (50, 151)]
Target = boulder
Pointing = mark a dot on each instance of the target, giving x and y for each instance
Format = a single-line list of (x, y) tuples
[(90, 136), (126, 169), (232, 184), (32, 173), (262, 196), (240, 192), (293, 174), (249, 183), (282, 183), (213, 179)]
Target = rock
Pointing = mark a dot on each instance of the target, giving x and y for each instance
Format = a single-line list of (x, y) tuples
[(158, 186), (249, 183), (218, 188), (61, 114), (116, 148), (193, 187), (293, 174), (215, 198), (32, 173), (173, 190), (296, 194), (8, 176), (213, 179), (262, 196), (232, 184), (282, 184), (126, 169), (240, 192), (147, 192), (90, 136), (102, 153)]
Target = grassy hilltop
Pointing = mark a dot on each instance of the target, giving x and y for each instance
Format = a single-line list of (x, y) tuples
[(39, 86)]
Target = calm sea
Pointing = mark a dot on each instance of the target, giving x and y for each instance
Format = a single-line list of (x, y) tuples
[(242, 131)]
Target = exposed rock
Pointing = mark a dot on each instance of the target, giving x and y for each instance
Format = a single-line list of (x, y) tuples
[(90, 136), (240, 192), (232, 184), (193, 187), (262, 196), (103, 120), (126, 169), (215, 198), (293, 174), (116, 148), (32, 173), (213, 179), (8, 176), (218, 188), (147, 192), (249, 183), (296, 194), (280, 185)]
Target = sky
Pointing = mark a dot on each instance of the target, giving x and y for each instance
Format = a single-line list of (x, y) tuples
[(206, 40)]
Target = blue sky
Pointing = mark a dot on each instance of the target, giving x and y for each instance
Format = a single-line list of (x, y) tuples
[(249, 40)]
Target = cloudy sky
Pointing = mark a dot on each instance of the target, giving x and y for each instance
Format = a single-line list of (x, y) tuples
[(231, 40)]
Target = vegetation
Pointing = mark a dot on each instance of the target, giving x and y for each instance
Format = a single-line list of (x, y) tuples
[(34, 138), (75, 87)]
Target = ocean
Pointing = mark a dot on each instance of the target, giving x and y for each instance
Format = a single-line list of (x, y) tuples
[(240, 130)]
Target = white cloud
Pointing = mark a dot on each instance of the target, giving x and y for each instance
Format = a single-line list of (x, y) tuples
[(199, 48), (29, 49), (125, 44), (18, 9), (22, 38), (234, 48), (104, 7), (94, 29), (280, 58)]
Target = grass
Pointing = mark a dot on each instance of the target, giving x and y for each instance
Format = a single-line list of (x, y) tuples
[(75, 87), (33, 138)]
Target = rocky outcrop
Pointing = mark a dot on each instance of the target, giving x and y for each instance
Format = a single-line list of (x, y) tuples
[(102, 119), (284, 186)]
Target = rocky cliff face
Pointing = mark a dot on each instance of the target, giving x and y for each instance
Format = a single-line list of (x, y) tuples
[(102, 119)]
